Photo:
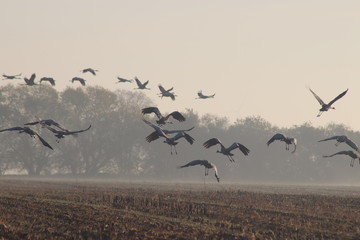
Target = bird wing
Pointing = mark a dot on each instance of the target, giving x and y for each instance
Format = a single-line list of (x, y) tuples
[(201, 95), (193, 163), (46, 144), (52, 122), (177, 115), (338, 97), (32, 123), (277, 136), (339, 153), (162, 89), (184, 135), (176, 131), (330, 138), (158, 129), (138, 82), (352, 144), (32, 78), (152, 110), (74, 132), (152, 136), (146, 83), (317, 97), (242, 148), (211, 142), (12, 129)]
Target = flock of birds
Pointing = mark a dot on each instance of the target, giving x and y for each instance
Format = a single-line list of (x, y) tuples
[(171, 137)]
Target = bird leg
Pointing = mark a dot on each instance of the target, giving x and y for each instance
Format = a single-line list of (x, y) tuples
[(175, 149), (319, 114), (352, 162), (230, 158), (337, 143)]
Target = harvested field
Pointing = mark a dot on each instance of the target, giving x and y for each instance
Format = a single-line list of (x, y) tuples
[(64, 209)]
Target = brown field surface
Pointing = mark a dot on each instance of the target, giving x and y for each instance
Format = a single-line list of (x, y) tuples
[(104, 209)]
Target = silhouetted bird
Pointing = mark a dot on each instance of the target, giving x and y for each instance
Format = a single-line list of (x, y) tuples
[(31, 80), (163, 119), (90, 70), (166, 93), (47, 122), (350, 153), (282, 137), (9, 77), (29, 131), (123, 80), (48, 79), (62, 134), (325, 107), (81, 80), (141, 85), (226, 151), (202, 96), (208, 165), (341, 139)]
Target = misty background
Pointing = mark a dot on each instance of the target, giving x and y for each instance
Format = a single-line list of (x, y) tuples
[(115, 146)]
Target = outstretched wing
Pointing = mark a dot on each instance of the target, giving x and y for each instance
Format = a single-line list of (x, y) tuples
[(12, 129), (188, 138), (352, 144), (152, 110), (44, 142), (277, 136), (339, 153), (176, 115), (330, 138), (152, 136), (317, 97), (138, 82), (211, 142), (162, 89), (32, 123), (242, 148), (74, 132), (193, 163), (338, 97)]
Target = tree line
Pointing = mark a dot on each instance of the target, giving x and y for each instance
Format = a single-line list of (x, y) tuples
[(115, 145)]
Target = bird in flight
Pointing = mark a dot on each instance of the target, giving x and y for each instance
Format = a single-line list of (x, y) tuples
[(162, 120), (208, 165), (48, 79), (341, 139), (141, 85), (9, 77), (29, 131), (123, 80), (226, 151), (166, 93), (81, 80), (61, 134), (47, 122), (326, 106), (282, 137), (202, 96), (350, 153), (90, 70), (31, 80)]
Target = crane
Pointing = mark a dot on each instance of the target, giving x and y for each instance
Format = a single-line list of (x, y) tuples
[(341, 139), (90, 70), (81, 80), (202, 96), (48, 79), (226, 151), (326, 106), (208, 165), (141, 85), (350, 153), (166, 93), (282, 137), (162, 120), (61, 134), (31, 80), (9, 77), (31, 133), (123, 80)]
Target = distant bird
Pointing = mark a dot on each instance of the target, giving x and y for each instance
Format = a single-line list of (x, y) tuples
[(163, 119), (226, 151), (341, 139), (29, 131), (31, 80), (123, 80), (47, 122), (208, 165), (61, 134), (90, 70), (166, 93), (282, 137), (325, 107), (48, 79), (141, 85), (159, 132), (81, 80), (350, 153), (9, 77), (202, 96)]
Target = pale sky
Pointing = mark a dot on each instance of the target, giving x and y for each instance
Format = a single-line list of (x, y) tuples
[(259, 57)]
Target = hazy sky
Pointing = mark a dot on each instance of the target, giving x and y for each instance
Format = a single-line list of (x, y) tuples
[(257, 56)]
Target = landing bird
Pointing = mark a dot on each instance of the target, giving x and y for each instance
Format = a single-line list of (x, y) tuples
[(31, 80), (208, 165), (90, 70), (166, 93), (141, 85), (341, 139), (9, 77), (350, 153), (287, 140), (81, 80), (123, 80), (325, 107), (29, 131), (202, 96), (163, 119), (226, 151), (172, 141), (48, 79), (47, 122), (62, 134)]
